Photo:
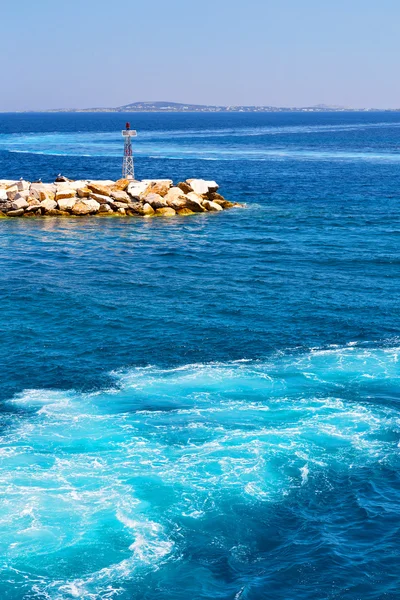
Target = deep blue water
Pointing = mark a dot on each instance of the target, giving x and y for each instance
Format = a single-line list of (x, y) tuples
[(205, 407)]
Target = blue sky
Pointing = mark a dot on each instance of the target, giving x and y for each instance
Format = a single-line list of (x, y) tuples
[(86, 53)]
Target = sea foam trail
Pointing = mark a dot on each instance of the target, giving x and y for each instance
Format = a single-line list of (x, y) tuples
[(262, 143), (117, 486)]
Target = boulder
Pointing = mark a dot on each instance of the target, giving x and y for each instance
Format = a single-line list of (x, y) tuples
[(215, 196), (147, 210), (185, 211), (33, 208), (107, 182), (120, 196), (35, 193), (6, 206), (33, 201), (121, 211), (48, 205), (3, 195), (160, 187), (178, 203), (23, 186), (67, 203), (121, 185), (174, 194), (61, 178), (185, 187), (40, 195), (155, 201), (5, 183), (74, 185), (42, 187), (12, 191), (200, 186), (67, 193), (134, 206), (15, 213), (81, 208), (225, 203), (100, 199), (98, 188), (19, 203), (137, 188), (117, 205), (83, 192), (165, 211), (92, 204), (105, 209), (212, 206), (194, 202), (22, 195)]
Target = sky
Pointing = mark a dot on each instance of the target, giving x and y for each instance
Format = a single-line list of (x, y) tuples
[(91, 53)]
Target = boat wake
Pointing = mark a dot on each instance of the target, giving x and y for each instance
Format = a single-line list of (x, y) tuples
[(147, 479)]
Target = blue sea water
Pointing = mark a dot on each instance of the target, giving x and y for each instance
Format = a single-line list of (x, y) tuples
[(205, 407)]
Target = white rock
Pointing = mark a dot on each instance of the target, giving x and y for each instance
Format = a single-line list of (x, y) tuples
[(3, 195), (22, 194), (19, 203), (150, 181), (173, 194), (23, 185), (5, 183), (106, 182), (76, 185), (137, 188), (48, 204), (194, 196), (12, 191), (105, 208), (46, 187), (100, 199), (65, 193), (147, 210), (155, 201), (120, 196), (66, 203), (91, 204), (194, 202), (212, 206), (200, 186)]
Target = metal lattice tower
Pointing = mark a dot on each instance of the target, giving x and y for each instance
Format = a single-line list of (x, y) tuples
[(128, 171)]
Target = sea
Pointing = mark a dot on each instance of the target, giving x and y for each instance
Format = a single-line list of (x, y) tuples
[(208, 407)]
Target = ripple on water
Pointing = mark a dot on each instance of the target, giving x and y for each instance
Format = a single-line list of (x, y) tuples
[(165, 473)]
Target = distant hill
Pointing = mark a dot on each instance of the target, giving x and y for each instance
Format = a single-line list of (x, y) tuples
[(180, 107), (165, 106)]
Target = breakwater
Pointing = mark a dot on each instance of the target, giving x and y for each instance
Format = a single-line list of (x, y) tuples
[(123, 198)]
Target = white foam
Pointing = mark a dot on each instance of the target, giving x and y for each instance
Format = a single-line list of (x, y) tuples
[(252, 431), (304, 474)]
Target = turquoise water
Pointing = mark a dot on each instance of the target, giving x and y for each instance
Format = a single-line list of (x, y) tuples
[(207, 407)]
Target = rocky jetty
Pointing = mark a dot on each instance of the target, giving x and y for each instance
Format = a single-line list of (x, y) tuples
[(124, 198)]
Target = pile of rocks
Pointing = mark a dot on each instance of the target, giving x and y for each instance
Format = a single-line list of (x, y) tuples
[(124, 197)]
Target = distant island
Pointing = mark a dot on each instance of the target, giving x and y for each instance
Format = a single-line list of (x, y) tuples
[(179, 107)]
